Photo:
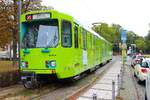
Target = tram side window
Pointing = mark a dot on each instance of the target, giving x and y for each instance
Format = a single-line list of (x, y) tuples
[(94, 42), (90, 41), (66, 34), (84, 35), (76, 36)]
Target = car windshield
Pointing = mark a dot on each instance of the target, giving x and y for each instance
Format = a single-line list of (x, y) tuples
[(148, 62), (40, 34), (145, 64)]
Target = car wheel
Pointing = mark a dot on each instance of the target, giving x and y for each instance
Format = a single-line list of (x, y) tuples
[(132, 66), (135, 75), (140, 82)]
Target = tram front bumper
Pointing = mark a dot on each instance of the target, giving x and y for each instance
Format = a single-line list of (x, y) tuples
[(27, 75)]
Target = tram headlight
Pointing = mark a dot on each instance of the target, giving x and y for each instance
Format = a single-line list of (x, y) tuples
[(50, 64), (24, 64), (53, 63)]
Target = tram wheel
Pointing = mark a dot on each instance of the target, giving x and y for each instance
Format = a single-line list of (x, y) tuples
[(31, 84)]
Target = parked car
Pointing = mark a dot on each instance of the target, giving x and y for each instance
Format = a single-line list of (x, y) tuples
[(141, 69), (147, 86), (136, 59)]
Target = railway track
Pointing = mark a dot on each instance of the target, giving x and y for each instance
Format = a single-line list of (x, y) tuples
[(18, 91)]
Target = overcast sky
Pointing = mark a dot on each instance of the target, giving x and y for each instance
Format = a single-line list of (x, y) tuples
[(132, 15)]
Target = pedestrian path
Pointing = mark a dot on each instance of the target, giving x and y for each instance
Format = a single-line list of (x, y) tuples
[(102, 90)]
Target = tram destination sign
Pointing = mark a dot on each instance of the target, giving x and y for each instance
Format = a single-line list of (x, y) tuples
[(38, 16)]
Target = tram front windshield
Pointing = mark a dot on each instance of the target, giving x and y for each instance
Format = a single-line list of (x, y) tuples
[(40, 34)]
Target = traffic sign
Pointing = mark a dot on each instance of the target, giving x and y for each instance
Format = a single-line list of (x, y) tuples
[(123, 36)]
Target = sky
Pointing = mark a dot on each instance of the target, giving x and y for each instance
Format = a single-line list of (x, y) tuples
[(132, 15)]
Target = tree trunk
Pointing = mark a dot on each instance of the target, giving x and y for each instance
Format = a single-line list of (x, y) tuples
[(14, 45)]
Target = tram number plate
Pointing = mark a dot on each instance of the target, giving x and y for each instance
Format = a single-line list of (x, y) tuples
[(41, 16)]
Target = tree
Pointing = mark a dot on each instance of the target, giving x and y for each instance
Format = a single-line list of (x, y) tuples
[(9, 19), (147, 39), (5, 24), (131, 37), (140, 43), (110, 33)]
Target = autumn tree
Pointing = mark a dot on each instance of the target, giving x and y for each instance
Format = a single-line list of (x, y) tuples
[(5, 23), (9, 19)]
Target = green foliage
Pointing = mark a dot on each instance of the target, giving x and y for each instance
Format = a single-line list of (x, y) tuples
[(147, 39), (140, 43), (110, 33)]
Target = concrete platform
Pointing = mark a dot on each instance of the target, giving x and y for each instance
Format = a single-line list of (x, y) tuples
[(103, 87)]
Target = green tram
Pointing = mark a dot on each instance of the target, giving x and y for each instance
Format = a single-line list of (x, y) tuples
[(55, 44)]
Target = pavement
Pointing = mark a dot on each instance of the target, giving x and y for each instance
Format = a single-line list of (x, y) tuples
[(128, 90), (103, 88), (131, 89)]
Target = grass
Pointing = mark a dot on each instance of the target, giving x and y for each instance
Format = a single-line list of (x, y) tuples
[(6, 66)]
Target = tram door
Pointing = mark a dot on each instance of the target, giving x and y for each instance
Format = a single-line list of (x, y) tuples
[(77, 53), (84, 53)]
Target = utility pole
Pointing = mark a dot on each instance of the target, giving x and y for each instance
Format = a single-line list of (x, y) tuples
[(19, 24), (123, 38)]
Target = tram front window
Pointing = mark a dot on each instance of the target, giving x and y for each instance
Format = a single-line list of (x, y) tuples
[(40, 34)]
